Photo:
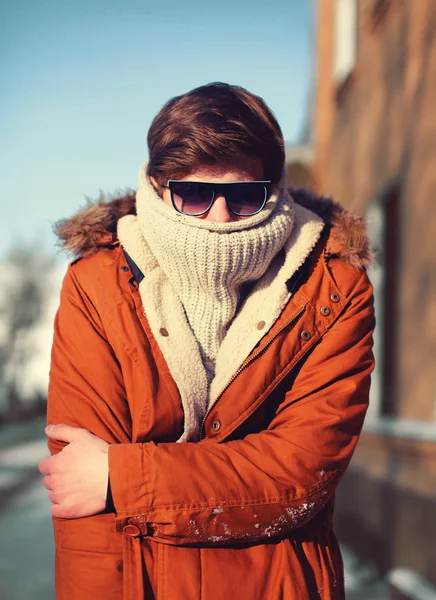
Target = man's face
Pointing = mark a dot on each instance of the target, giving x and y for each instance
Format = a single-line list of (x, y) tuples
[(244, 170)]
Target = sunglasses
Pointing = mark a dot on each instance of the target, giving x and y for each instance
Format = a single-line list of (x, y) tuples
[(195, 198)]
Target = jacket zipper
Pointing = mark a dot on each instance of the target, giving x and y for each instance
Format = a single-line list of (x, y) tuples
[(248, 362)]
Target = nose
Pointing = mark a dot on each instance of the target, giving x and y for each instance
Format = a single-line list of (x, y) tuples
[(219, 211)]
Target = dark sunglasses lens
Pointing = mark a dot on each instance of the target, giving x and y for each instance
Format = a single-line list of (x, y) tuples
[(192, 198), (246, 198)]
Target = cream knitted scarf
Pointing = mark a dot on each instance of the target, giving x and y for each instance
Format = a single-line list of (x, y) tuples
[(207, 263), (194, 271)]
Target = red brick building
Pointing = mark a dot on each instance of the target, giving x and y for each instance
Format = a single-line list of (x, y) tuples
[(374, 130)]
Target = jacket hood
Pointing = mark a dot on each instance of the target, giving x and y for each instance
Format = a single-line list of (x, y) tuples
[(94, 228)]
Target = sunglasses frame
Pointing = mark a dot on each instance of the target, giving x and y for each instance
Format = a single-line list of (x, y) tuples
[(215, 188)]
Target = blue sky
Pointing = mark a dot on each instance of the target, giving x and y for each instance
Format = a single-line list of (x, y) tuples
[(82, 81)]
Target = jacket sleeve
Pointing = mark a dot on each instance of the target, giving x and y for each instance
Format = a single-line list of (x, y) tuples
[(268, 483), (86, 387)]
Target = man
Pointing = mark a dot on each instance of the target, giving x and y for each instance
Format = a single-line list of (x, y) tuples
[(210, 371)]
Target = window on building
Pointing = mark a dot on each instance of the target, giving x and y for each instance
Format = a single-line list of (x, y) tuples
[(344, 39), (383, 219)]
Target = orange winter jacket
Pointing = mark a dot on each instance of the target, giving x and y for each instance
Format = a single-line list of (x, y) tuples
[(246, 512)]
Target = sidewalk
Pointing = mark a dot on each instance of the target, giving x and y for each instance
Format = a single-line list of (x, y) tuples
[(25, 519), (22, 445)]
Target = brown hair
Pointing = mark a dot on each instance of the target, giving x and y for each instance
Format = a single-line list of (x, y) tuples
[(212, 125)]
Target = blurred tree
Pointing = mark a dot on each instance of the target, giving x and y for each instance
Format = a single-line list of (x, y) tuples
[(24, 273), (30, 283)]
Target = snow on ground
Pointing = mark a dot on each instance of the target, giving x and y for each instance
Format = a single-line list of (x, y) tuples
[(27, 454), (27, 548), (411, 585), (361, 580), (9, 479)]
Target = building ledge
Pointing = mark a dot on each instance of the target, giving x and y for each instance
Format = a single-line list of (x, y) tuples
[(410, 585), (420, 431)]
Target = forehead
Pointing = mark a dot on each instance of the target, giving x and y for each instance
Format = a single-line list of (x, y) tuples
[(250, 169)]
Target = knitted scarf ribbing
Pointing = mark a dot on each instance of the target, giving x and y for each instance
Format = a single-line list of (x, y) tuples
[(207, 263), (164, 309)]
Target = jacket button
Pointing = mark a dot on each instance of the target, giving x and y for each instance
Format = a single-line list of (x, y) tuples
[(261, 325), (216, 425), (120, 565), (334, 298), (324, 310), (132, 530), (164, 332), (124, 269), (306, 335)]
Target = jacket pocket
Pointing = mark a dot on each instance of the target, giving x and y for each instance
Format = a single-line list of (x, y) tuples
[(88, 558)]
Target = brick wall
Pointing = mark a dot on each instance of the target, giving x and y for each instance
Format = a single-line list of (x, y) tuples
[(375, 142), (376, 131)]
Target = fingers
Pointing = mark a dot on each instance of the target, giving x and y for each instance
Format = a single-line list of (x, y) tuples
[(64, 512), (47, 482), (56, 510), (45, 465), (65, 433), (52, 496)]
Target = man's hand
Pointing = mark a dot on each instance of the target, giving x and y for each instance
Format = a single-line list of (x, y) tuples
[(77, 476)]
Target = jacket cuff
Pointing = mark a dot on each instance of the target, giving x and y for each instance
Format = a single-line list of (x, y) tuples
[(130, 480)]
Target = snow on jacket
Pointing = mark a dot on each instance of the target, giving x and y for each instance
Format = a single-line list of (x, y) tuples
[(247, 511)]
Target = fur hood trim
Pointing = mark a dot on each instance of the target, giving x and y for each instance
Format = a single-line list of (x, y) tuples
[(94, 228)]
